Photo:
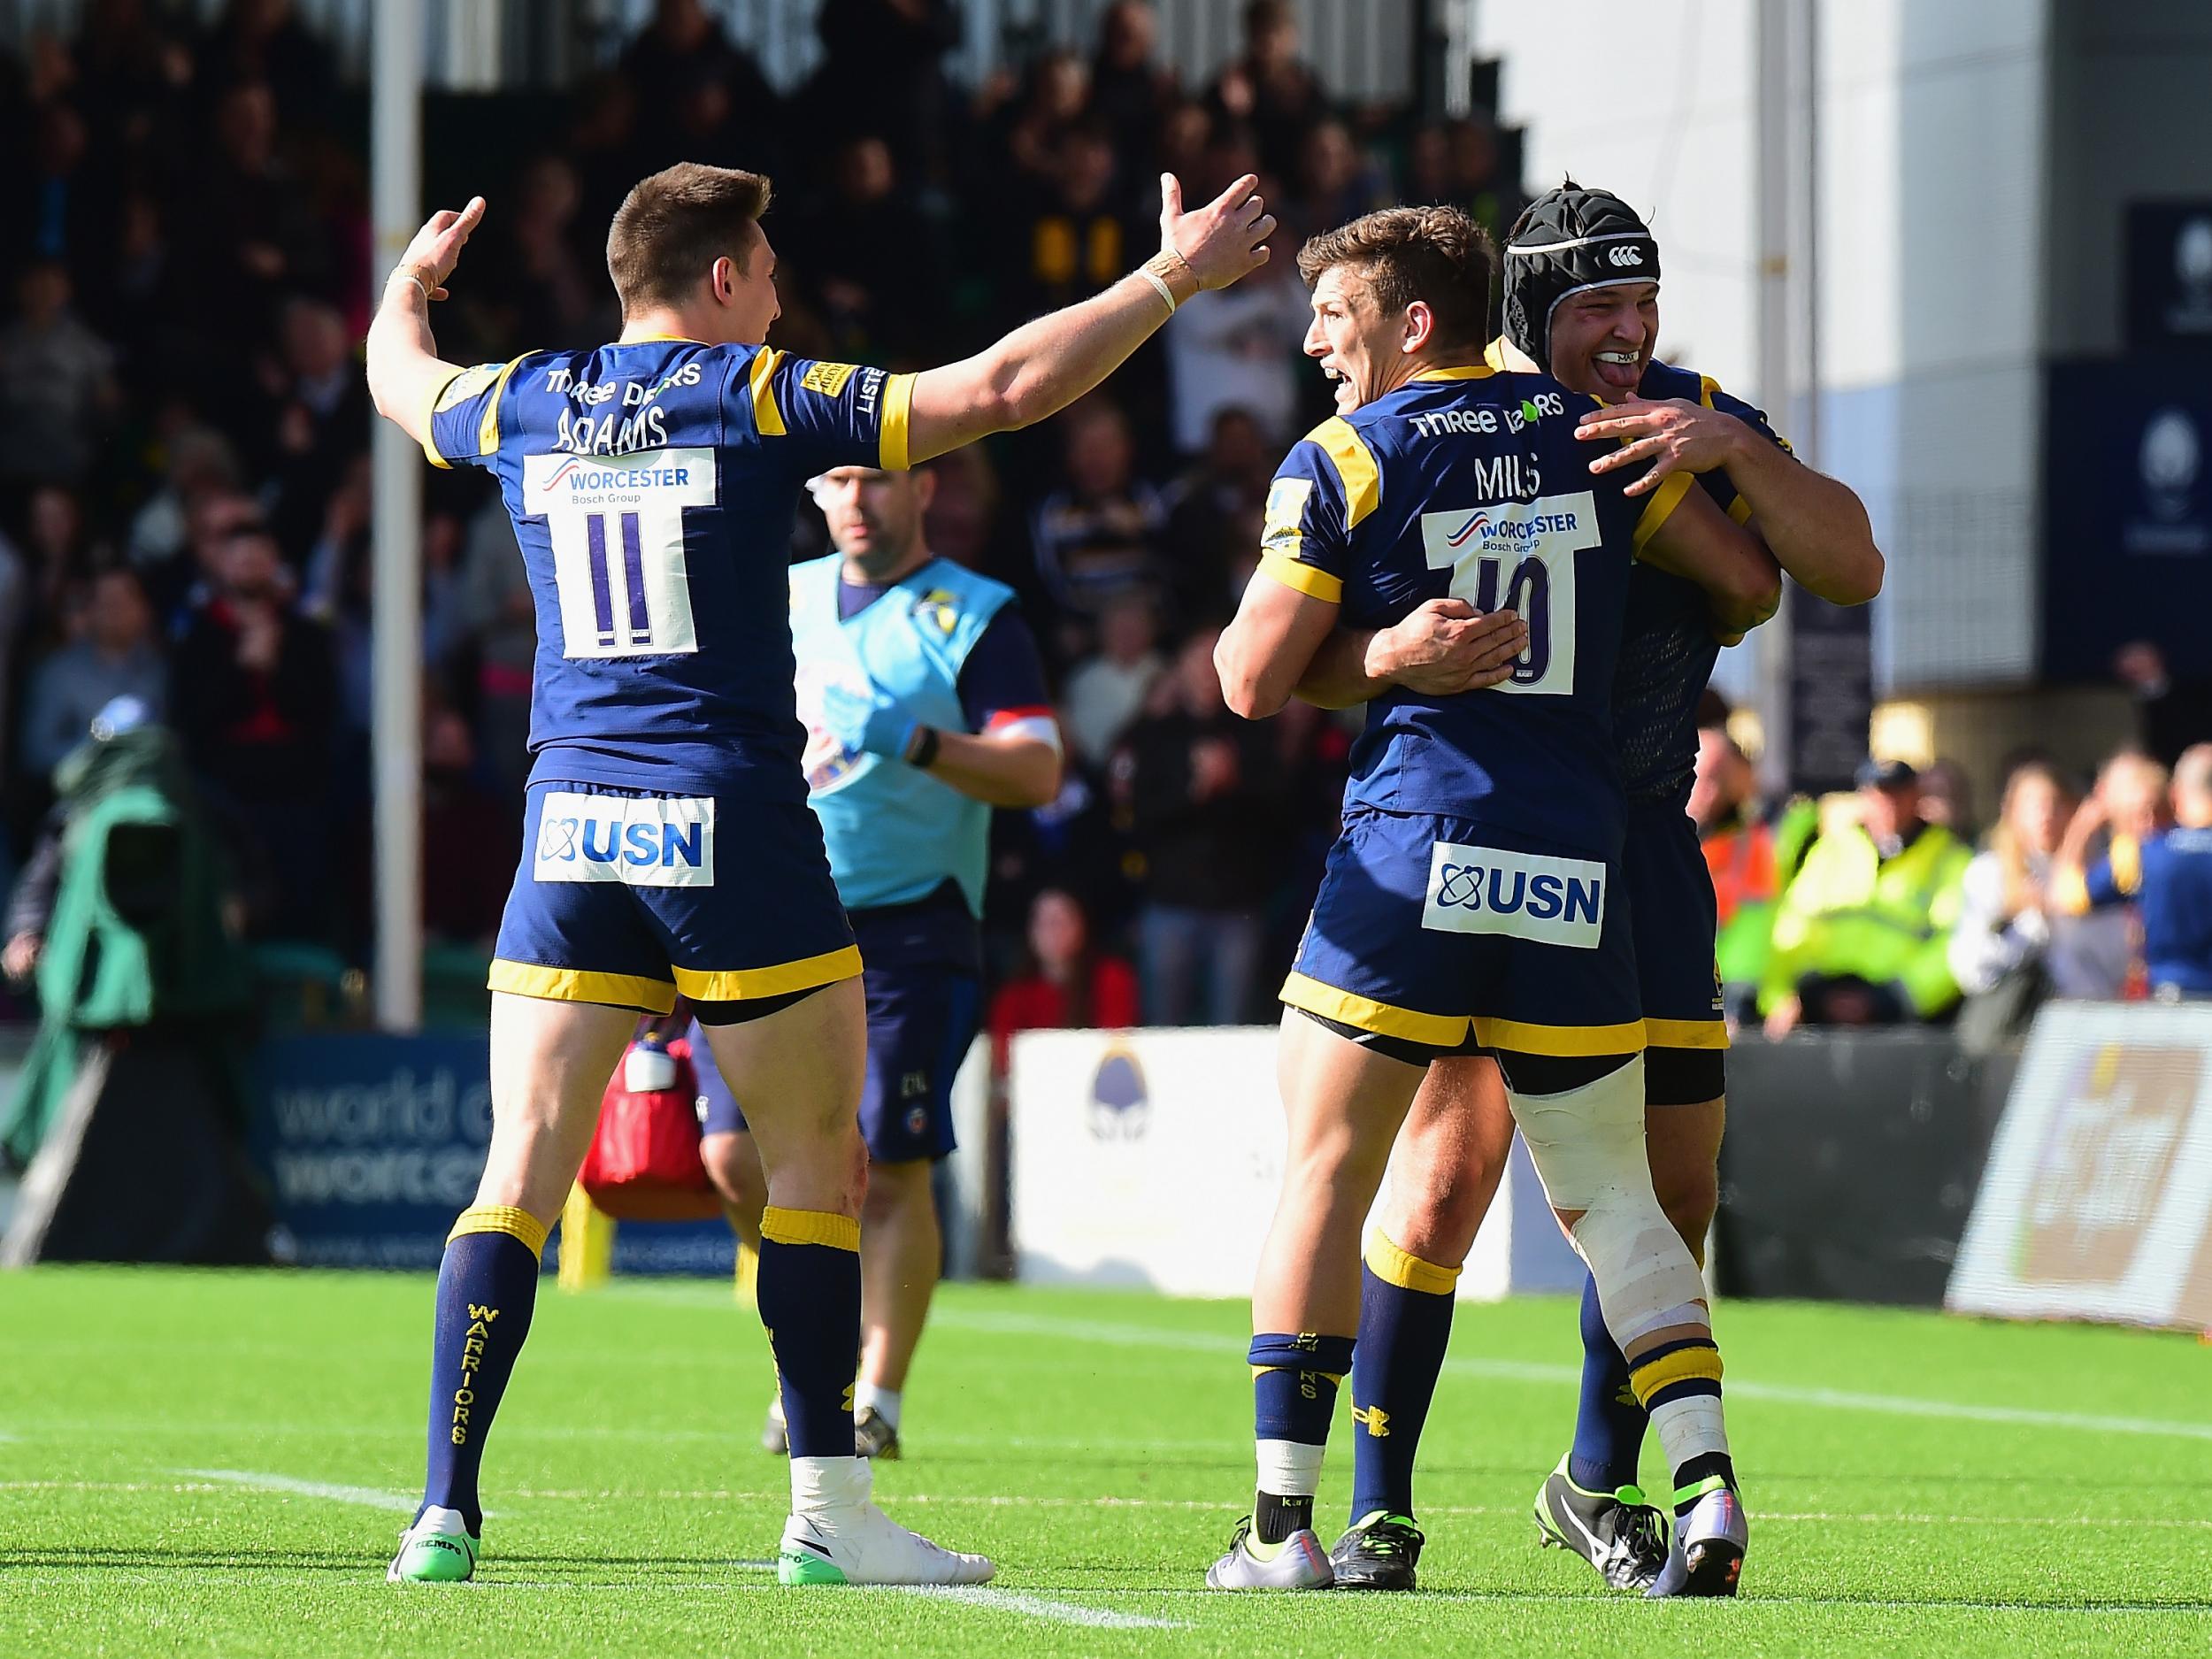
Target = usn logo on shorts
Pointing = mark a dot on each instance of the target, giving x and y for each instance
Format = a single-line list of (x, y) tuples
[(640, 841), (1524, 896)]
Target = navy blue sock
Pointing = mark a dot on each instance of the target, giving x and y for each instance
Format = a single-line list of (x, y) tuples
[(808, 1289), (1405, 1323), (486, 1287), (1294, 1382), (1609, 1425)]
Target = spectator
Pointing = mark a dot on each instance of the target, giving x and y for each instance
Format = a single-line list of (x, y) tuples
[(1240, 349), (1106, 691), (470, 836), (717, 90), (2170, 716), (1738, 849), (539, 292), (2165, 874), (496, 611), (196, 462), (2097, 953), (55, 208), (1129, 90), (1057, 92), (57, 383), (1199, 788), (1457, 163), (317, 422), (1334, 183), (1065, 985), (1093, 535), (117, 655), (255, 703), (1216, 508), (1862, 933), (258, 242), (1077, 239), (2005, 906), (1268, 88), (883, 72), (872, 310), (61, 562), (1946, 797), (261, 41)]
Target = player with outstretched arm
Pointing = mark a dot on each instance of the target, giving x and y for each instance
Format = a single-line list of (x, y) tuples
[(668, 845)]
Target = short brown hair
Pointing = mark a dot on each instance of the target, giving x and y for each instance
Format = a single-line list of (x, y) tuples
[(1436, 255), (673, 226)]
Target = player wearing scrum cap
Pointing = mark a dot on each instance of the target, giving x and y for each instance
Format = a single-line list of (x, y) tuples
[(1581, 299), (1474, 895)]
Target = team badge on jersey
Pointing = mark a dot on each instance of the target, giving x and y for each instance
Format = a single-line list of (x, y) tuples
[(1522, 896), (1279, 531), (639, 841)]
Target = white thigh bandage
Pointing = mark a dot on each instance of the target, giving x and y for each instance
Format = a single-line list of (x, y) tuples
[(1588, 1147)]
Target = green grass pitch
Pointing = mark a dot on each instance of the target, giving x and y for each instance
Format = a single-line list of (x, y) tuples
[(218, 1464)]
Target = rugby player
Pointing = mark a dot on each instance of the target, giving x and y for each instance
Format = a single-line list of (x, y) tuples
[(1476, 889), (925, 703), (667, 840), (1581, 295)]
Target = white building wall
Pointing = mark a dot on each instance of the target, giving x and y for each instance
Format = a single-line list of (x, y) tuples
[(1929, 293)]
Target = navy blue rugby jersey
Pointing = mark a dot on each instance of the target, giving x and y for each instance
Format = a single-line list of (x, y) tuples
[(652, 486), (1471, 483), (1668, 650)]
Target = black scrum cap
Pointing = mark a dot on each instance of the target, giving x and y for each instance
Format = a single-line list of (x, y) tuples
[(1567, 241)]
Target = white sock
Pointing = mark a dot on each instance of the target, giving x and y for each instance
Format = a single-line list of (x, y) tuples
[(1289, 1468), (828, 1483), (885, 1401)]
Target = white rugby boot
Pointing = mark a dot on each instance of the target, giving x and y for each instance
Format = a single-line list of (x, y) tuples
[(839, 1537), (1298, 1563)]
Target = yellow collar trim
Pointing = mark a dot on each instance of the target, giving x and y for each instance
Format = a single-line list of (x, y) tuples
[(1468, 372)]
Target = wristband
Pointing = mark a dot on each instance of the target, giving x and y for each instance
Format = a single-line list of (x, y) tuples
[(1169, 271), (1166, 292), (413, 273), (927, 743)]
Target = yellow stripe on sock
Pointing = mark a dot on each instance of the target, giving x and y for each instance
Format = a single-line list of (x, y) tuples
[(810, 1227), (1261, 1371), (517, 1223), (1682, 1365), (1408, 1271)]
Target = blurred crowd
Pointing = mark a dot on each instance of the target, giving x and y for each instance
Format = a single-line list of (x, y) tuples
[(185, 505), (1889, 906), (185, 249)]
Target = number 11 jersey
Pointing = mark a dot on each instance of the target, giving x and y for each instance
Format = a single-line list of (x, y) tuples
[(652, 486), (1469, 482)]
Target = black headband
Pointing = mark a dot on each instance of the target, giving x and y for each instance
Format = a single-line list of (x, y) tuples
[(1566, 242)]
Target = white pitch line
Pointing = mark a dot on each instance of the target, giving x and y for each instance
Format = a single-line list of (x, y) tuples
[(370, 1497), (1126, 1335), (1040, 1607)]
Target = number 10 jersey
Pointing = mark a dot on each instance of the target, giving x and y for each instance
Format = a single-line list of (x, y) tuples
[(652, 486), (1469, 482)]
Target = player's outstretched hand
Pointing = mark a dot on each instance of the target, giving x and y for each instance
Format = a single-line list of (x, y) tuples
[(436, 248), (1225, 240), (1446, 646)]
